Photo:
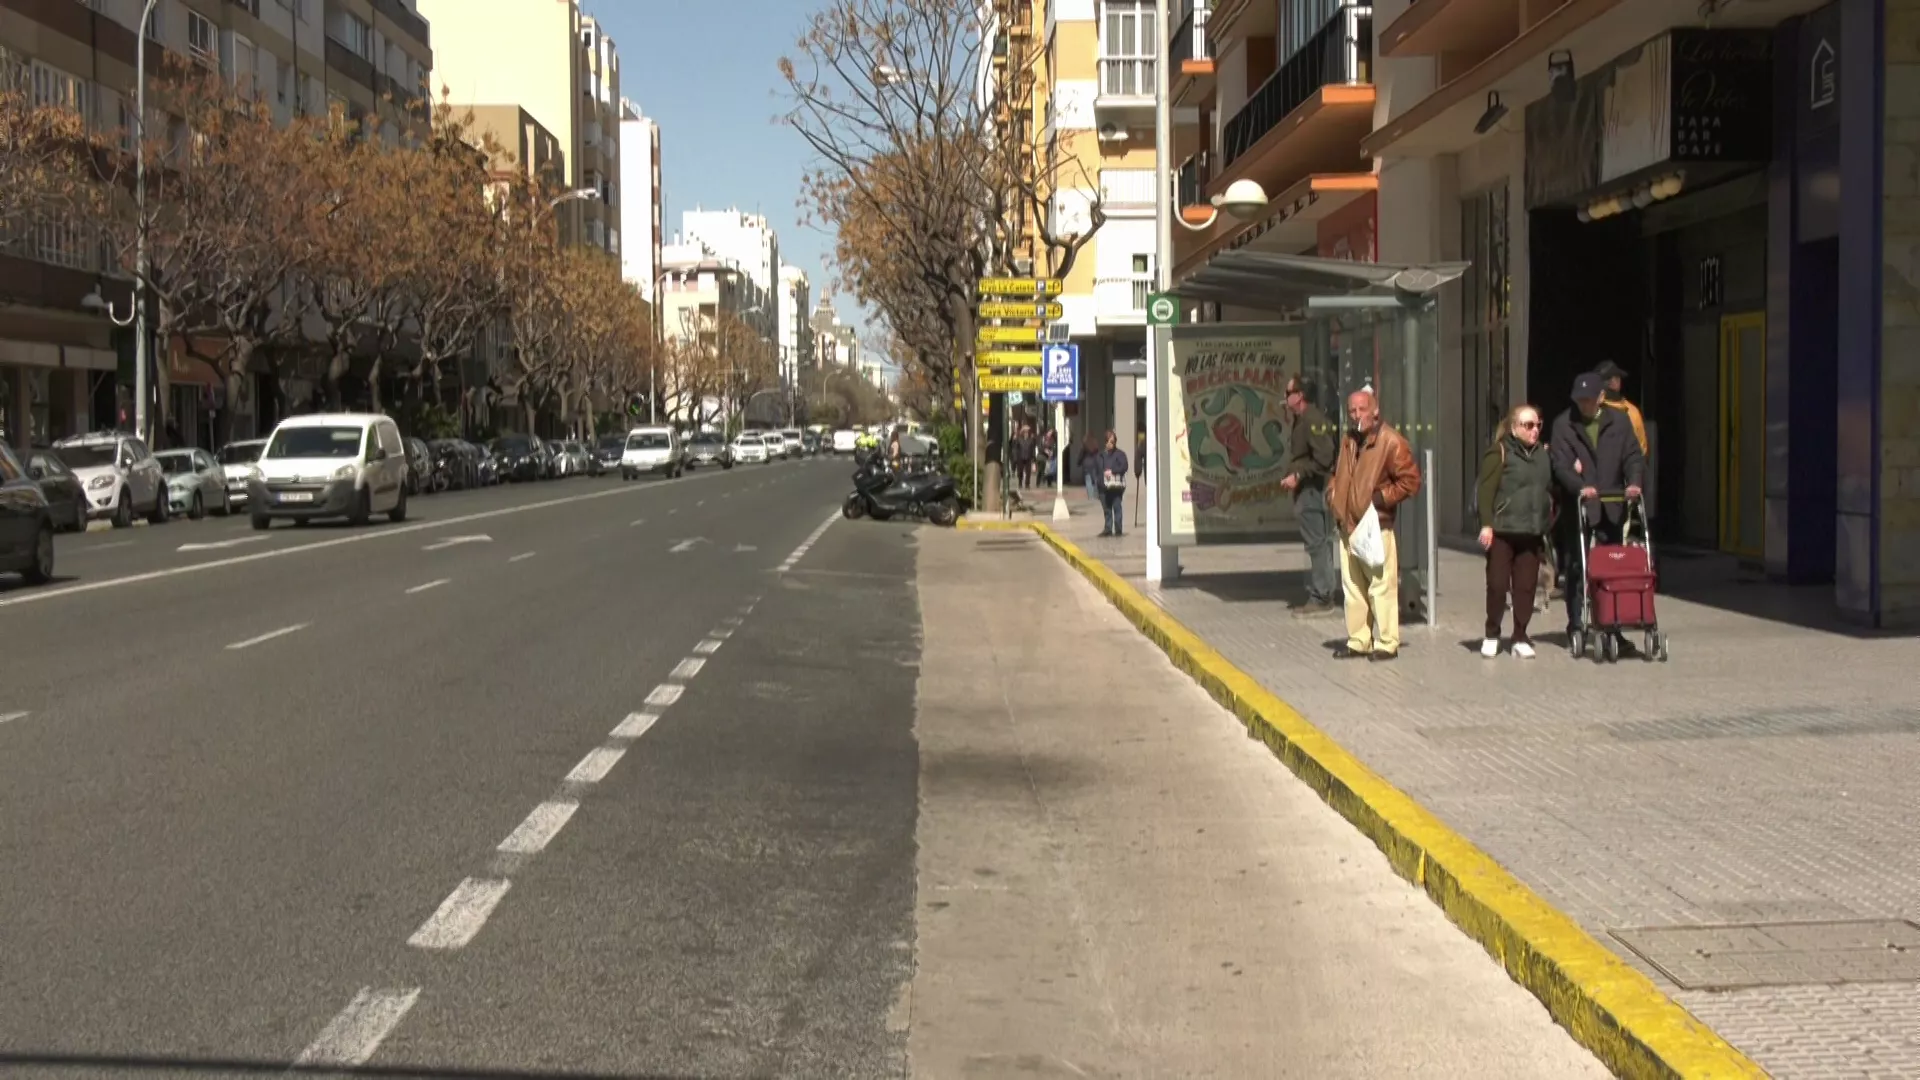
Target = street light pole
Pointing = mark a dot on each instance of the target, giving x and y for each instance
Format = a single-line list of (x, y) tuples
[(140, 349), (1163, 562)]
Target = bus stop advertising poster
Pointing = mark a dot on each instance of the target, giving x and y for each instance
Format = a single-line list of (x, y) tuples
[(1224, 434)]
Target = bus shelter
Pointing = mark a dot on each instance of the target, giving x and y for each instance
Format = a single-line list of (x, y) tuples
[(1220, 393)]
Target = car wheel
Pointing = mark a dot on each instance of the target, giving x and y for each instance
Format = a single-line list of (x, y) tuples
[(362, 507), (123, 510), (399, 512), (160, 508), (40, 571), (80, 513), (198, 509)]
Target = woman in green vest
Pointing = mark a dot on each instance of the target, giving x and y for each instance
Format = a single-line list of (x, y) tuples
[(1516, 510)]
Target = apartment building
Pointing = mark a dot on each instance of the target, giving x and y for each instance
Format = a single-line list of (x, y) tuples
[(640, 257), (746, 241), (796, 337), (821, 323), (564, 71), (65, 369)]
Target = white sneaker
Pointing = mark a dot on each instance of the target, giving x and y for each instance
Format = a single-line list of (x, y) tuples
[(1522, 651), (1490, 648)]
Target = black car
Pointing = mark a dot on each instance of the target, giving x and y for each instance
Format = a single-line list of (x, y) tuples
[(521, 458), (66, 496), (709, 448), (26, 524), (606, 455)]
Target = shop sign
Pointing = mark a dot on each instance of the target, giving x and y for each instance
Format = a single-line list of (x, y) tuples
[(1817, 102), (1225, 441)]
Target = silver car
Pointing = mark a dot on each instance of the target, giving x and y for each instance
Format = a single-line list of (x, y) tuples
[(196, 483)]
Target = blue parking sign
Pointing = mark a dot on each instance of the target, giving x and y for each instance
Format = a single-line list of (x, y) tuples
[(1060, 373)]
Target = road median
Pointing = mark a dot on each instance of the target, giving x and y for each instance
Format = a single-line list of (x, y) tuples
[(1614, 1011)]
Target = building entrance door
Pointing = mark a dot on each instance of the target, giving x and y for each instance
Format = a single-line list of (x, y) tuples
[(1743, 439)]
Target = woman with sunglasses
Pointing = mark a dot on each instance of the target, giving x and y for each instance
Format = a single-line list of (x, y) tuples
[(1516, 510)]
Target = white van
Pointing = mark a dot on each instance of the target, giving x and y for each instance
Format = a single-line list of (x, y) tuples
[(344, 465), (656, 450)]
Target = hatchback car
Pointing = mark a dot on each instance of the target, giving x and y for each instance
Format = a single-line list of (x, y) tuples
[(26, 524), (66, 496), (750, 449), (708, 448), (195, 483), (121, 476)]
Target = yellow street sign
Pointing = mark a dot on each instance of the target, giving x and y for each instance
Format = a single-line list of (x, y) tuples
[(1018, 384), (1007, 286), (1010, 335), (1022, 311), (1000, 359)]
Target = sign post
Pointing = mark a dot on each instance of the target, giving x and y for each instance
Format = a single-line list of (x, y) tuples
[(1059, 384), (1016, 315)]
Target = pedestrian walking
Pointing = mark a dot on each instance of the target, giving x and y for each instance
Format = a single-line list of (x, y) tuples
[(1090, 468), (1311, 449), (1613, 380), (1111, 468), (1023, 454), (1516, 510), (1139, 472), (1597, 466), (1375, 470)]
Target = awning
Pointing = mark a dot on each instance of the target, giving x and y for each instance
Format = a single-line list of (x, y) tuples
[(1272, 282)]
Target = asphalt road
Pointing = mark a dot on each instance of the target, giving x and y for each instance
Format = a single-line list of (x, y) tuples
[(581, 778)]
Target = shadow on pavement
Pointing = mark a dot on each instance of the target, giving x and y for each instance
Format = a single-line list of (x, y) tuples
[(13, 583), (204, 1066)]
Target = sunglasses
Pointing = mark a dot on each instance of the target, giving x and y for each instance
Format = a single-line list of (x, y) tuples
[(1528, 424)]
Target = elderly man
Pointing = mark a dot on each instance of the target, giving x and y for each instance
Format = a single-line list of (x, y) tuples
[(1598, 463), (1310, 456), (1375, 468)]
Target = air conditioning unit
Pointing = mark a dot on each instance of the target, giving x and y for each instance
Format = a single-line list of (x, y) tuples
[(1113, 133)]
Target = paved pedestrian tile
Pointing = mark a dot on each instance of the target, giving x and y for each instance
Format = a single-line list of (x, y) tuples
[(1763, 778)]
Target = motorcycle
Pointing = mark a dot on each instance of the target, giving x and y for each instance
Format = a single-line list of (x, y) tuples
[(917, 490)]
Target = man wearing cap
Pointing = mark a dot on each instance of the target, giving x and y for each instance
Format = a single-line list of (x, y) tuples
[(1614, 377), (1597, 460)]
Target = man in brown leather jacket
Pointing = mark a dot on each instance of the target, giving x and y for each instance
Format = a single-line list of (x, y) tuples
[(1375, 468)]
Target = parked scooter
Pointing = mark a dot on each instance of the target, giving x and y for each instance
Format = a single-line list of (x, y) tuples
[(916, 490)]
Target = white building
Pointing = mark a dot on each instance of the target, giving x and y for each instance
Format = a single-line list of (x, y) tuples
[(749, 242), (796, 336), (641, 199)]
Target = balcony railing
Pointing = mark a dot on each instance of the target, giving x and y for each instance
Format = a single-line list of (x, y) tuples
[(1189, 41), (1124, 188), (1194, 177), (1127, 76), (1339, 53), (1121, 298)]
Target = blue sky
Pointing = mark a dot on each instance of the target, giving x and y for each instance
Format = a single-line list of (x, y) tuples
[(707, 72)]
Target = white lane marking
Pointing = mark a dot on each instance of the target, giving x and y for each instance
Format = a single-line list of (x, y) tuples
[(350, 1039), (10, 717), (538, 830), (461, 914), (673, 511), (665, 694), (100, 547), (685, 546), (702, 502), (687, 669), (31, 597), (636, 522), (709, 646), (807, 544), (635, 725), (596, 765), (268, 636), (522, 557), (456, 541), (723, 632), (732, 620), (436, 583), (219, 545)]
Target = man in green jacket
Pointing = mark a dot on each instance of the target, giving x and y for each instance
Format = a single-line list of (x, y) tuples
[(1310, 454)]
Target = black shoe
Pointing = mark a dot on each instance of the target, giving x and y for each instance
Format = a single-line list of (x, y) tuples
[(1382, 657), (1344, 653), (1104, 532)]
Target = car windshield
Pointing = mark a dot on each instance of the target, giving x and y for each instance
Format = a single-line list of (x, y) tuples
[(241, 453), (47, 463), (610, 442), (86, 457), (174, 464), (647, 440), (315, 442), (706, 438), (513, 444)]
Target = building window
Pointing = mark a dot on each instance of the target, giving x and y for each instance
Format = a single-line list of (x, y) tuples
[(53, 88), (357, 36), (1485, 298), (63, 243), (1129, 41), (201, 43)]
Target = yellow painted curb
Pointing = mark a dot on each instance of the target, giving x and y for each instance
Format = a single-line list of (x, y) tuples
[(972, 524), (1611, 1009)]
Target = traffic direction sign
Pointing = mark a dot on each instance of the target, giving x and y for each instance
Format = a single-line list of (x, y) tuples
[(1022, 358), (1011, 335), (1004, 310), (1001, 286), (1002, 384)]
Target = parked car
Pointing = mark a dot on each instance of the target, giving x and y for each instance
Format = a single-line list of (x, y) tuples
[(120, 474), (792, 443), (708, 448), (846, 441), (26, 523), (195, 483), (236, 462), (656, 450), (749, 448), (455, 464), (520, 457), (340, 465), (606, 454), (66, 497)]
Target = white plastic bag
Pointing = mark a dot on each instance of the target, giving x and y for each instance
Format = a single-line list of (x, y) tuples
[(1367, 544)]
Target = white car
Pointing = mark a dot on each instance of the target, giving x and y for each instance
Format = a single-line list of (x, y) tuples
[(236, 461), (195, 483), (846, 441), (652, 450), (750, 449), (790, 443), (350, 465), (119, 475)]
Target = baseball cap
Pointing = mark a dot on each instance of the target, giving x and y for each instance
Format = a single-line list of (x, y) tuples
[(1610, 370), (1588, 386)]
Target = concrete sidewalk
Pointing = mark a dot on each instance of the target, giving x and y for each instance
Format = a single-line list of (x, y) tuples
[(1739, 824), (1114, 881)]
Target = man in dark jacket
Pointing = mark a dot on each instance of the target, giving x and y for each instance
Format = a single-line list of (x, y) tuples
[(1310, 453), (1598, 466)]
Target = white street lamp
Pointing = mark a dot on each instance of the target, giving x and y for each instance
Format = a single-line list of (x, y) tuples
[(93, 301)]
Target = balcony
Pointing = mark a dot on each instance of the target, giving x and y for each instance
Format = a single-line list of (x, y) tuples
[(1126, 192), (1467, 28), (1340, 54), (1127, 87), (1191, 193), (1121, 300), (1191, 55)]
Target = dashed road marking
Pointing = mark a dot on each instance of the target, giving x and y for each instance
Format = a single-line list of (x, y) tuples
[(429, 585), (665, 694), (10, 717), (522, 557), (268, 636), (350, 1039), (636, 523), (635, 725), (807, 544), (538, 830), (461, 914), (596, 765), (709, 646), (687, 669)]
